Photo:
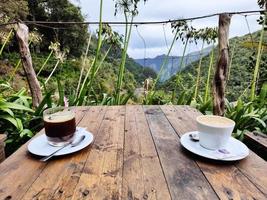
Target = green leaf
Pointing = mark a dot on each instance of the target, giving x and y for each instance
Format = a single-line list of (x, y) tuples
[(14, 106), (44, 102), (125, 98), (8, 141), (181, 98), (260, 121), (263, 95), (7, 110), (26, 132), (239, 105), (10, 119), (19, 124)]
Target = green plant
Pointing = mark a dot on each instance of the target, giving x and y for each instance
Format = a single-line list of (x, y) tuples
[(6, 39), (87, 84), (250, 116), (60, 56), (207, 86), (54, 47), (257, 66), (207, 35), (15, 116), (149, 98), (129, 9), (84, 59), (187, 34)]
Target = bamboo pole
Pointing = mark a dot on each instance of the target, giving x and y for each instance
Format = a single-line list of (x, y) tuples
[(222, 65), (22, 34)]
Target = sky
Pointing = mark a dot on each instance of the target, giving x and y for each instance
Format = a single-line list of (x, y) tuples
[(158, 37)]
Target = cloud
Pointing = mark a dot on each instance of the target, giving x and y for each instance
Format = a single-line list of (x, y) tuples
[(155, 10)]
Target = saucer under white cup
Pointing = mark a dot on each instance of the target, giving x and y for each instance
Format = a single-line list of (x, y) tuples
[(232, 151), (39, 145)]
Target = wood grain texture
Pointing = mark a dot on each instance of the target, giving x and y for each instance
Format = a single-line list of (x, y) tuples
[(136, 155), (142, 173), (218, 87), (2, 147), (257, 142), (20, 170), (184, 178), (253, 167), (235, 184), (61, 175), (22, 34), (102, 174)]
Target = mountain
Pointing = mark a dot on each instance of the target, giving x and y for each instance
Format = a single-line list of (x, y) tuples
[(242, 68), (173, 64)]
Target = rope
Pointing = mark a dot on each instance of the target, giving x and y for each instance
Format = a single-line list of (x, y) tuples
[(140, 22), (250, 34)]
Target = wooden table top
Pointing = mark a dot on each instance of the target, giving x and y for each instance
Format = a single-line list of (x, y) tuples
[(136, 154)]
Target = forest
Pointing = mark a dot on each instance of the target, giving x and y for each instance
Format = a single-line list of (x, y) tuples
[(76, 67)]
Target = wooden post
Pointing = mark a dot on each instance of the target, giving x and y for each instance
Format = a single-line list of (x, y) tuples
[(22, 34), (2, 147), (222, 65)]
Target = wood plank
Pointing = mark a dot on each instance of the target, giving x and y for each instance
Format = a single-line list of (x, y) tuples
[(255, 168), (61, 175), (23, 168), (185, 179), (2, 138), (102, 174), (143, 177), (2, 147), (233, 183), (257, 142), (260, 138)]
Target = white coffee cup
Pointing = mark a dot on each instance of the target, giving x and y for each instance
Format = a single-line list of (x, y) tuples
[(214, 131)]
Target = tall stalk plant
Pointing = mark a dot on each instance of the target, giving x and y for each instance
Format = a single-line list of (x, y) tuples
[(53, 47), (207, 35), (151, 94), (86, 85), (130, 10), (231, 61), (83, 63), (212, 35), (207, 87), (257, 67), (6, 39), (60, 56), (111, 39), (186, 35)]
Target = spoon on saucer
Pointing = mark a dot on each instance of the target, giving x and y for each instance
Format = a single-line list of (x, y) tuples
[(194, 137), (73, 144)]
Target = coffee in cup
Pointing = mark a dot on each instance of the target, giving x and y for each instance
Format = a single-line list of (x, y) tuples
[(214, 131), (59, 125)]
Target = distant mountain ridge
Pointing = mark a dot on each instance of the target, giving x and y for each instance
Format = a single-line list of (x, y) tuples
[(173, 65)]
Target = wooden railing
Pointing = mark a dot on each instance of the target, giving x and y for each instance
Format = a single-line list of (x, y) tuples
[(2, 147)]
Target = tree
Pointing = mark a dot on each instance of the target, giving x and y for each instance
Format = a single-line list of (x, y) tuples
[(14, 9), (72, 37)]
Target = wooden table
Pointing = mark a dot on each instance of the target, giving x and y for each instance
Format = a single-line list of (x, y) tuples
[(136, 155)]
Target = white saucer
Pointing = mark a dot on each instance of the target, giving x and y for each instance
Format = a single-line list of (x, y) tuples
[(235, 149), (39, 145)]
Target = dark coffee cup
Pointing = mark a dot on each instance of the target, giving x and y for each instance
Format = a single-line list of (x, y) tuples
[(59, 125)]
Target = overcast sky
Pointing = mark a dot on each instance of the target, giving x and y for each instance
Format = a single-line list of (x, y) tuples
[(157, 10)]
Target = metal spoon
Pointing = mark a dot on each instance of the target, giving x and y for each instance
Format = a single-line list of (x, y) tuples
[(73, 144), (194, 136)]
